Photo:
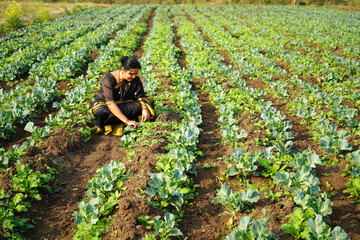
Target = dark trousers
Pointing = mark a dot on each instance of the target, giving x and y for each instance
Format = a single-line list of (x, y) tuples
[(104, 117)]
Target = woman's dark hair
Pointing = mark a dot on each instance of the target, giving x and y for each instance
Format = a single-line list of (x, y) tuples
[(129, 63)]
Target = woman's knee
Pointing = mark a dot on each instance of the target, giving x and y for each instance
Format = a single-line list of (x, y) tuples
[(102, 113)]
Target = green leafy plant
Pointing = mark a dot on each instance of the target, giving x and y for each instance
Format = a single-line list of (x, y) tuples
[(29, 181), (104, 190), (163, 229), (245, 163), (12, 224), (353, 188), (249, 229), (166, 189), (40, 16), (235, 202), (297, 223)]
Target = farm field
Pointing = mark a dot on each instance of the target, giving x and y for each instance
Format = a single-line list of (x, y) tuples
[(257, 135)]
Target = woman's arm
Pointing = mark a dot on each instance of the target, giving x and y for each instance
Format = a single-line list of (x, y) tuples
[(117, 112), (145, 113), (142, 97)]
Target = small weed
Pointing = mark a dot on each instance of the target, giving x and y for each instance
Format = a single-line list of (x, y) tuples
[(40, 16), (206, 165), (114, 234), (78, 8), (131, 154)]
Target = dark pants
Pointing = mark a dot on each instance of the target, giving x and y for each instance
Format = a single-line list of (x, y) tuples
[(104, 117)]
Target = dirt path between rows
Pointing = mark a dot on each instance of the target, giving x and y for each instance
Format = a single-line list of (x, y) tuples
[(202, 220), (78, 162)]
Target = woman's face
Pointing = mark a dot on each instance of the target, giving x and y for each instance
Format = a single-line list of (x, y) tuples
[(129, 75)]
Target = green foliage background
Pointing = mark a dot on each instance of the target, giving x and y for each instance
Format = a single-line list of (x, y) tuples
[(308, 2)]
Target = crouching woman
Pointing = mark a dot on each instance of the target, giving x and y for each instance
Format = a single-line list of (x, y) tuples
[(122, 100)]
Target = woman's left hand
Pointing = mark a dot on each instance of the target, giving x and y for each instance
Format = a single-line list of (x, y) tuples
[(145, 115)]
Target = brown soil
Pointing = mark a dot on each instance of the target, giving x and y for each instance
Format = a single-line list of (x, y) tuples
[(20, 134), (182, 57), (139, 51), (202, 219), (78, 162), (63, 86), (4, 85), (94, 54)]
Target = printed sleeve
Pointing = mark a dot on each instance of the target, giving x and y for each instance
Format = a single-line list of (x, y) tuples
[(108, 90)]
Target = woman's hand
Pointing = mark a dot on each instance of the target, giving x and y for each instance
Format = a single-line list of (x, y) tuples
[(145, 114), (132, 123)]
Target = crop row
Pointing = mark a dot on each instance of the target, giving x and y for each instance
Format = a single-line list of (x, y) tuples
[(171, 187), (233, 202), (334, 73), (341, 113), (329, 30), (330, 139), (246, 163)]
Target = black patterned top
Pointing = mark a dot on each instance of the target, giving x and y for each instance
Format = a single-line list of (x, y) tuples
[(111, 91)]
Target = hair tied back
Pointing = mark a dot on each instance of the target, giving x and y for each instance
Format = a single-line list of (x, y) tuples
[(129, 63), (123, 59)]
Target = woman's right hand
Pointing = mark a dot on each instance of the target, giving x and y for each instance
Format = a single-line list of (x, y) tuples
[(132, 123)]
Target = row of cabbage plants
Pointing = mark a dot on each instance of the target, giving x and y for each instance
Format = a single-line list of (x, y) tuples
[(214, 69), (339, 112), (171, 187), (330, 139), (328, 29), (248, 162), (335, 74)]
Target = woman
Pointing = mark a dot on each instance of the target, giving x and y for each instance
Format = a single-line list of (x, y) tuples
[(122, 100)]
